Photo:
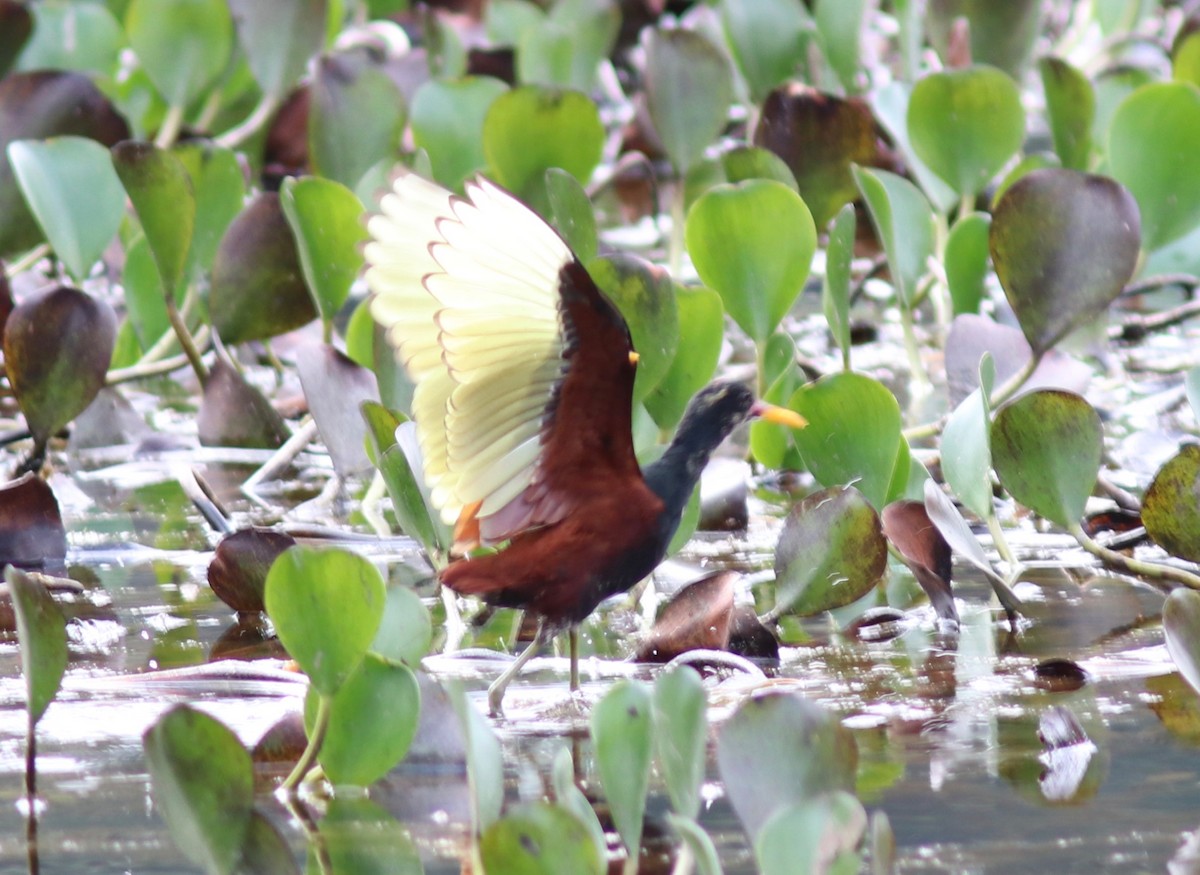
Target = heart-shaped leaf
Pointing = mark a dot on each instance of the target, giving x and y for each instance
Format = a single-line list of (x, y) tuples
[(32, 534), (160, 188), (70, 36), (326, 606), (819, 835), (51, 174), (907, 525), (696, 618), (1046, 448), (571, 213), (539, 839), (820, 137), (702, 322), (966, 261), (688, 87), (840, 25), (680, 736), (237, 573), (406, 629), (810, 753), (1170, 510), (220, 190), (767, 39), (831, 553), (1181, 628), (890, 105), (753, 243), (966, 453), (233, 413), (203, 784), (1071, 109), (622, 739), (1002, 34), (447, 122), (566, 50), (57, 347), (42, 634), (278, 37), (1064, 244), (903, 221), (966, 124), (183, 45), (358, 837)]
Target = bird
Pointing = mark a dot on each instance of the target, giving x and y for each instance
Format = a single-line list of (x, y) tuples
[(523, 375)]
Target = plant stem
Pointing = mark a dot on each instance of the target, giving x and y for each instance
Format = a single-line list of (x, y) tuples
[(209, 111), (258, 117), (28, 260), (675, 244), (185, 339), (31, 822), (154, 368), (1015, 382), (315, 740), (171, 124), (1152, 570), (912, 348), (1000, 542), (966, 205)]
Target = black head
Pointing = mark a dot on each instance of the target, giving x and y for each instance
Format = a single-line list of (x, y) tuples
[(711, 415)]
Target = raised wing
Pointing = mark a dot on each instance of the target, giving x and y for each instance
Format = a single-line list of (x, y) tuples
[(512, 348)]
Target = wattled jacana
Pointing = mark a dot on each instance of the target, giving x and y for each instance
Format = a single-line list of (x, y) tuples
[(524, 380)]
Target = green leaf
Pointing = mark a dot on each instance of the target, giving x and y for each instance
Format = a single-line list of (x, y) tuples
[(966, 124), (767, 39), (539, 839), (566, 49), (1192, 389), (865, 455), (680, 736), (813, 837), (809, 752), (506, 20), (966, 261), (51, 175), (1064, 244), (42, 634), (183, 45), (739, 164), (1149, 151), (71, 36), (688, 89), (835, 290), (531, 129), (17, 27), (704, 852), (57, 346), (966, 452), (410, 501), (326, 605), (890, 105), (702, 321), (571, 213), (903, 222), (570, 797), (1185, 57), (356, 117), (1071, 111), (219, 190), (840, 24), (278, 37), (1002, 34), (485, 766), (203, 784), (645, 296), (447, 122), (265, 850), (372, 720), (621, 736), (1181, 628), (325, 218), (358, 837), (831, 553), (161, 190), (406, 630), (753, 243), (1046, 448), (1170, 510), (770, 443)]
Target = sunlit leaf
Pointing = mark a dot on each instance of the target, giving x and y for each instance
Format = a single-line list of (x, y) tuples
[(447, 121), (539, 839), (1170, 509), (161, 190), (409, 501), (621, 735), (903, 221), (688, 89), (680, 736), (326, 605), (1046, 448), (42, 635), (183, 45), (890, 105), (278, 37), (645, 296)]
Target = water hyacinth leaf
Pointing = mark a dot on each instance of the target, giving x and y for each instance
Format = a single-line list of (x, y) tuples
[(335, 387), (680, 736), (183, 45), (966, 453), (32, 534), (1064, 244), (571, 213), (1185, 57), (566, 50), (688, 87), (867, 456), (42, 634), (372, 720), (35, 106), (890, 106), (645, 295), (835, 290), (1149, 139), (325, 220), (697, 617), (966, 261), (1002, 34), (1046, 448), (485, 766), (539, 839), (51, 174), (820, 137), (903, 222), (233, 413), (569, 796), (447, 122), (966, 124), (219, 190), (278, 37), (1181, 628), (356, 117), (237, 573), (840, 24), (772, 444), (810, 753), (531, 129), (813, 837), (702, 321), (752, 242), (506, 20), (409, 500), (1071, 109), (265, 850), (161, 190), (57, 347), (69, 36), (406, 630), (907, 525), (1170, 510), (361, 838), (16, 27), (831, 553), (767, 39), (326, 606), (203, 785), (699, 842), (621, 735), (258, 288)]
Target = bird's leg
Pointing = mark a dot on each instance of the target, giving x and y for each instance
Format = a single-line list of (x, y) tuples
[(496, 691), (573, 637)]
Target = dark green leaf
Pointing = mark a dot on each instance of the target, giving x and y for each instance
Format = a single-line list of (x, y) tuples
[(183, 45), (840, 24), (265, 850), (409, 499), (161, 190), (42, 634), (539, 839), (702, 322), (1071, 108), (1170, 510), (680, 736), (903, 221), (835, 290), (571, 213), (447, 121), (220, 190), (966, 261), (621, 735), (688, 90), (1002, 34), (767, 39), (361, 838), (233, 413), (278, 37)]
